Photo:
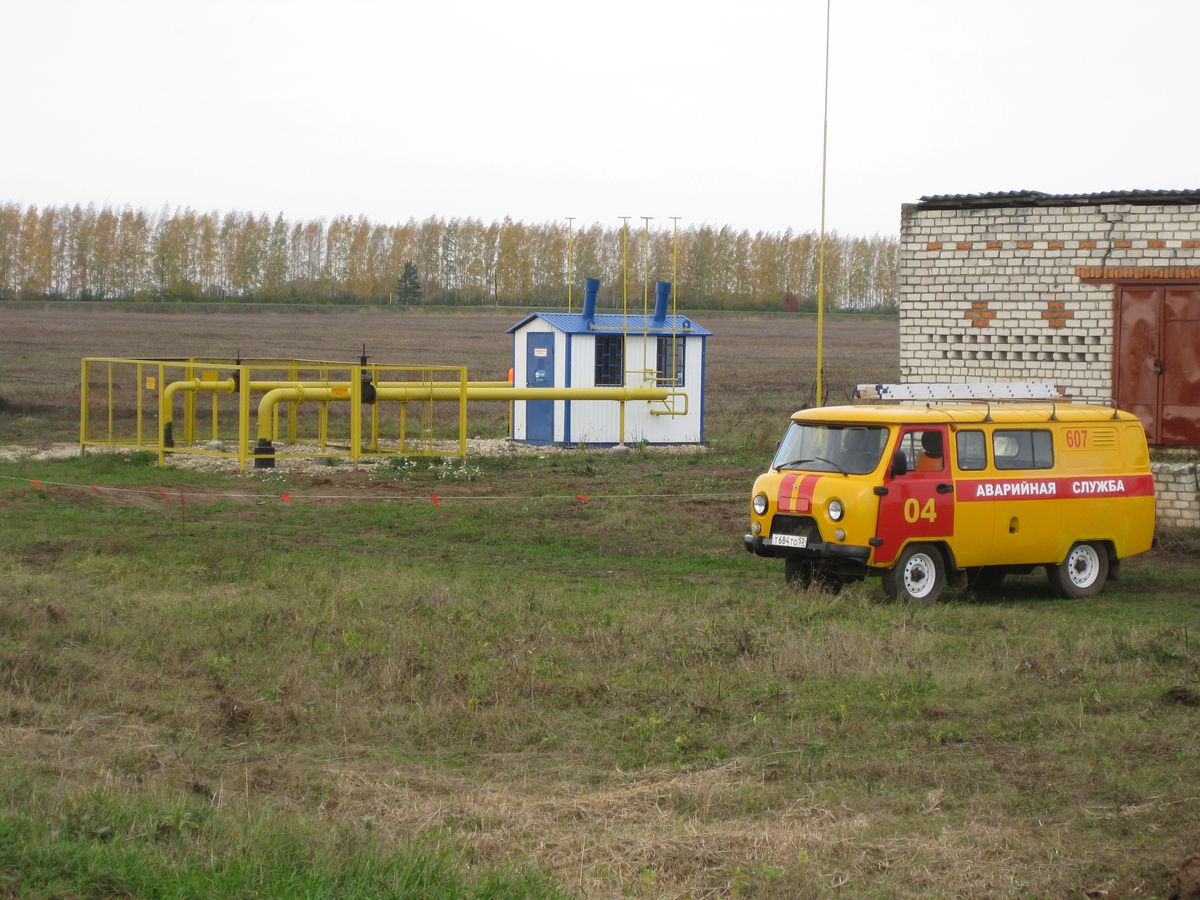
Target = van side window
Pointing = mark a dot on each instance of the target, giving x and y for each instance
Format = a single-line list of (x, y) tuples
[(1023, 449), (923, 449), (972, 453)]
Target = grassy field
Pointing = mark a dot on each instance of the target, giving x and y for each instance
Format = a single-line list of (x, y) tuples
[(518, 692)]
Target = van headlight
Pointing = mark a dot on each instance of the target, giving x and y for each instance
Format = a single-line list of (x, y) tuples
[(836, 510), (759, 504)]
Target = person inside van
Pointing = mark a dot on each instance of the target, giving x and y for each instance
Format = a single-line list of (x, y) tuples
[(930, 460), (858, 454)]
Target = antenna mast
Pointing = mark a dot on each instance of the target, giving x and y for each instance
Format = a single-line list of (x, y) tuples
[(818, 400)]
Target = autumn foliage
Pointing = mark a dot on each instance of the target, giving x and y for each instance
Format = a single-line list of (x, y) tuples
[(85, 253)]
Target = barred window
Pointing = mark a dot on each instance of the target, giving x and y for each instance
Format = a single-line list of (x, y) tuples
[(610, 360), (667, 359)]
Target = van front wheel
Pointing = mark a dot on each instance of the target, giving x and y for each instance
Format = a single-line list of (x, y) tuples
[(1082, 573), (919, 576)]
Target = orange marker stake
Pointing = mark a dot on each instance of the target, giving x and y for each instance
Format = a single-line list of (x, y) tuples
[(582, 498), (35, 483), (287, 498), (95, 490), (435, 500)]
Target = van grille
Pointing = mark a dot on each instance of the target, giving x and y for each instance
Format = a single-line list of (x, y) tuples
[(1104, 438), (803, 525)]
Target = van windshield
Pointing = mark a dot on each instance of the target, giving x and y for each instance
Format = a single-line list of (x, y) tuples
[(849, 449)]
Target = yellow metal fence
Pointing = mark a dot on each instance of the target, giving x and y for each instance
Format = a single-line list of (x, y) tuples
[(267, 409)]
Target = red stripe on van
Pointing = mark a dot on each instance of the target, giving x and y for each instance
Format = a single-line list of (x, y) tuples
[(969, 490), (793, 497)]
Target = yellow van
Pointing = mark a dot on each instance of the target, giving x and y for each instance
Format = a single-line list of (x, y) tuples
[(955, 491)]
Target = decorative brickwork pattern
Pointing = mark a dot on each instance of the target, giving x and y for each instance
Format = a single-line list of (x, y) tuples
[(1056, 314), (1026, 293), (980, 315), (1165, 273)]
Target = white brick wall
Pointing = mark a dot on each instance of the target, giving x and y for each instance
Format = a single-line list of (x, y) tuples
[(1177, 494), (1017, 265)]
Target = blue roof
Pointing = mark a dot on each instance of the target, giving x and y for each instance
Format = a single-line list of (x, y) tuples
[(609, 323)]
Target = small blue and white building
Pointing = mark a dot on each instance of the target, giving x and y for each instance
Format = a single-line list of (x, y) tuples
[(583, 350)]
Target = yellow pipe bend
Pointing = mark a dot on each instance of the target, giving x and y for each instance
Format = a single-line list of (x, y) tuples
[(294, 393), (191, 385)]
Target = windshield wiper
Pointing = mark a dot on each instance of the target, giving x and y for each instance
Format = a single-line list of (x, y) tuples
[(800, 462)]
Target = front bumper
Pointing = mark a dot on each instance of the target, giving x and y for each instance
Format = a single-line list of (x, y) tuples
[(817, 550)]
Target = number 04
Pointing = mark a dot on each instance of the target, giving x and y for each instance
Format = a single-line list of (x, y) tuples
[(913, 510)]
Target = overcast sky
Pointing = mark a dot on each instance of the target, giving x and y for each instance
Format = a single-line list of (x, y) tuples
[(543, 110)]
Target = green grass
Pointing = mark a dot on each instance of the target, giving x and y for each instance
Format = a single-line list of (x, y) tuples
[(610, 691), (94, 845)]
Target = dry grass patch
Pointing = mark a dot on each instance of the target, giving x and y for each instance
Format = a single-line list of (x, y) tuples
[(654, 833)]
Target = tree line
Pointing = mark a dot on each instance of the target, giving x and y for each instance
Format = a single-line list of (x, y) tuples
[(89, 253)]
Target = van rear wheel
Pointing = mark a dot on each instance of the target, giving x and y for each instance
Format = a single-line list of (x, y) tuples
[(919, 576), (1083, 573)]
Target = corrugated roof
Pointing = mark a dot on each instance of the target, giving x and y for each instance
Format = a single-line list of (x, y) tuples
[(574, 323), (1039, 198)]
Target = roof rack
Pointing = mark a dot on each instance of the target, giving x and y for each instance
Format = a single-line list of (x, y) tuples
[(1018, 390)]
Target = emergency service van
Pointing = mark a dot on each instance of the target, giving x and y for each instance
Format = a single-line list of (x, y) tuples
[(961, 489)]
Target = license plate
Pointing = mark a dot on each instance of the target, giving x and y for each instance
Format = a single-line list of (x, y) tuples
[(789, 540)]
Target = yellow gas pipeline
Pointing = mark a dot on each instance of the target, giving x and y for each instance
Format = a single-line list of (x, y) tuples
[(277, 392), (298, 392), (264, 450), (229, 386)]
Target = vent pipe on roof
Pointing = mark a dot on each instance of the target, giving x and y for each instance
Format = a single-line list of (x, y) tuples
[(662, 293), (591, 287)]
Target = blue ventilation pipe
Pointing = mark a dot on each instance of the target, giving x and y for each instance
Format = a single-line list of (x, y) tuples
[(591, 287), (662, 293)]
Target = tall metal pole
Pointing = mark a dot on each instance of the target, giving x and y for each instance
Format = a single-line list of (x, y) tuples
[(645, 291), (570, 259), (625, 273), (674, 297), (818, 400), (646, 264), (674, 263)]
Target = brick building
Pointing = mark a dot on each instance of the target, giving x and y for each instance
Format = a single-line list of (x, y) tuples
[(1098, 293)]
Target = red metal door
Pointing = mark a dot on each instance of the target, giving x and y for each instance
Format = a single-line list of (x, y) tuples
[(1157, 366), (1139, 310), (918, 505), (1180, 419)]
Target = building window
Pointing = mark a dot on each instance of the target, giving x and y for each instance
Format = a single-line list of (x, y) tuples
[(610, 360), (667, 360), (1023, 450)]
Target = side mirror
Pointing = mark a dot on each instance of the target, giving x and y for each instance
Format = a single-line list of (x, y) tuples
[(899, 464)]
